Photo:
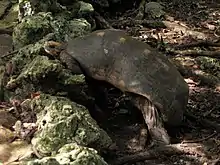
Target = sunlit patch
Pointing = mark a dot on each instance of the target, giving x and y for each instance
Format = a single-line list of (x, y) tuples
[(121, 83), (105, 51), (122, 40), (218, 87), (134, 83), (101, 34), (146, 51)]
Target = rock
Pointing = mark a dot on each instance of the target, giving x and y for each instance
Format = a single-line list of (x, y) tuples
[(35, 28), (85, 9), (5, 44), (154, 10), (61, 121), (32, 29), (77, 28), (3, 6), (31, 7), (72, 154), (10, 19), (33, 72)]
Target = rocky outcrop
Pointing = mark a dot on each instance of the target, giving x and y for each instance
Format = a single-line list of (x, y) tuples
[(61, 107)]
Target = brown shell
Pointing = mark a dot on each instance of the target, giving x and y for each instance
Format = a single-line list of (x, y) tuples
[(131, 66)]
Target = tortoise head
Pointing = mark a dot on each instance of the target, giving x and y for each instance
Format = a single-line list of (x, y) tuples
[(54, 48)]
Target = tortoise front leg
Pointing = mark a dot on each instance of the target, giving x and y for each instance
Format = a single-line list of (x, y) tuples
[(153, 119), (96, 90)]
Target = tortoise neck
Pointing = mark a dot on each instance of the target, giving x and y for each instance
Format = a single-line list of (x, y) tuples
[(54, 48)]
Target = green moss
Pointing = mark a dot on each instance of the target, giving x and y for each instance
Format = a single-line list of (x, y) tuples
[(32, 29)]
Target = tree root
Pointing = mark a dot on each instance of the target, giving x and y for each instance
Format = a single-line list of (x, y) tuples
[(168, 150)]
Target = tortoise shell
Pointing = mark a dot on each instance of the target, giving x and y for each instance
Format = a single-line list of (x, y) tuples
[(132, 66)]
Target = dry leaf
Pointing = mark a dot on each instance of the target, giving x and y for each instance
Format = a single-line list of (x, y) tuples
[(6, 135), (15, 152)]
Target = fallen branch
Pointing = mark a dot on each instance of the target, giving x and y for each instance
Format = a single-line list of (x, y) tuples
[(205, 78), (198, 44), (176, 27), (9, 54), (196, 53), (169, 150)]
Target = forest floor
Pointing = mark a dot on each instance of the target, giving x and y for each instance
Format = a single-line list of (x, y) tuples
[(198, 141)]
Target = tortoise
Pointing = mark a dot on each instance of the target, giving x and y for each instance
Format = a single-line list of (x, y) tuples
[(110, 55)]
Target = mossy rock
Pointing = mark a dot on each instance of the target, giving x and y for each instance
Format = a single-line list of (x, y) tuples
[(62, 121), (35, 28), (72, 154), (154, 10), (32, 29)]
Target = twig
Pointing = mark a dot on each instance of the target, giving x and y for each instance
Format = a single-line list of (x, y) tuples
[(8, 54), (199, 140)]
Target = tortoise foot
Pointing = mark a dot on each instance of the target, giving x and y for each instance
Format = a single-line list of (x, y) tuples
[(160, 136), (143, 138)]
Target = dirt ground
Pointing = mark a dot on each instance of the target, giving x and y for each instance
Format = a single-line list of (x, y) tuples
[(198, 142)]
